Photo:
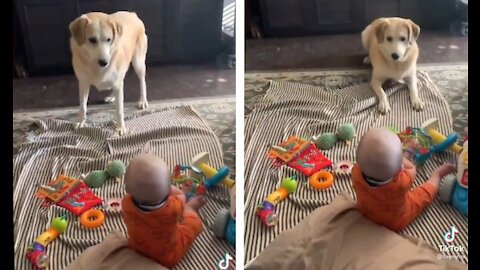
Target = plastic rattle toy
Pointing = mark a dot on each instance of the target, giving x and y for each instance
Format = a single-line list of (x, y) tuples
[(92, 219), (343, 167), (115, 169), (190, 180), (420, 145), (213, 176), (430, 127), (224, 225), (197, 179), (113, 205), (266, 210), (321, 180), (326, 141), (36, 251), (454, 189)]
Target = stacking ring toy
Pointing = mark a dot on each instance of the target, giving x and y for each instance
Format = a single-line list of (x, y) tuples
[(114, 205), (92, 218), (343, 166), (321, 180)]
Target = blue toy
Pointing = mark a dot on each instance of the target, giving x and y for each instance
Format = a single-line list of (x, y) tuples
[(224, 225), (454, 189)]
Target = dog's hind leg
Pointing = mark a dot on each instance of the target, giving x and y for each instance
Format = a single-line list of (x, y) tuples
[(138, 63)]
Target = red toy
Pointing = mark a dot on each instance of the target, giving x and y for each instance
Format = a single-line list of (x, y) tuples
[(299, 154), (69, 193)]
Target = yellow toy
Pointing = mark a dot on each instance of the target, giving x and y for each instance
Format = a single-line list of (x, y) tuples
[(200, 162), (430, 127)]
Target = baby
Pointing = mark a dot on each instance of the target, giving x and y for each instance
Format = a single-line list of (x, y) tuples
[(160, 223), (383, 178)]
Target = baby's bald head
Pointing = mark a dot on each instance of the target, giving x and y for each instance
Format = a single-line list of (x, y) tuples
[(379, 154), (147, 179)]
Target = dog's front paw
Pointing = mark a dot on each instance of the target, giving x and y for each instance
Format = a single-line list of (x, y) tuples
[(121, 129), (383, 107), (417, 104), (81, 124), (142, 104)]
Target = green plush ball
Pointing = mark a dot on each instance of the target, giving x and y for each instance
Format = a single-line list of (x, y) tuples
[(96, 179), (326, 141), (116, 168), (346, 132)]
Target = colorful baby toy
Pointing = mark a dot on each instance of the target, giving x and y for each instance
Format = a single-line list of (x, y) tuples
[(195, 180), (190, 180), (266, 210), (321, 180), (69, 193), (115, 169), (454, 188), (421, 143), (326, 141), (36, 251), (224, 225), (299, 154)]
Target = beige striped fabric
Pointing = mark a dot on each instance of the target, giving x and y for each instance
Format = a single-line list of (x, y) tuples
[(175, 134), (304, 110)]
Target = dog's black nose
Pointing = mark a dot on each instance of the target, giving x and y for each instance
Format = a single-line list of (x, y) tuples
[(102, 62), (395, 56)]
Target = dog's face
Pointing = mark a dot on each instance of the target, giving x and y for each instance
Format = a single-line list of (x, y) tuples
[(96, 35), (395, 38)]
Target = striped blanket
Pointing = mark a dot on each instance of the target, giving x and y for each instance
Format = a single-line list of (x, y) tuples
[(304, 110), (175, 134)]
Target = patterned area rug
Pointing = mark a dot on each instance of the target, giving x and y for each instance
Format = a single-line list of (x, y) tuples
[(303, 104), (450, 79), (176, 134), (219, 114)]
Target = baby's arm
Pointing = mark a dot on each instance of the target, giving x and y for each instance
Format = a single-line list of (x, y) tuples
[(426, 192), (410, 169), (191, 225)]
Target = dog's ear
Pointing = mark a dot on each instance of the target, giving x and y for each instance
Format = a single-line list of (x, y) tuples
[(380, 31), (413, 31), (77, 28), (116, 28)]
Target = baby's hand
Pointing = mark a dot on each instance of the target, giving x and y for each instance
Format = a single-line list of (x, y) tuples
[(440, 172), (196, 202), (410, 168), (445, 170)]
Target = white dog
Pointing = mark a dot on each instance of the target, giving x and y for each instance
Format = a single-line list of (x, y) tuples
[(103, 46), (393, 53)]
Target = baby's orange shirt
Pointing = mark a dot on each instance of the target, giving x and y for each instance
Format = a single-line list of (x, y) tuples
[(164, 234), (392, 205)]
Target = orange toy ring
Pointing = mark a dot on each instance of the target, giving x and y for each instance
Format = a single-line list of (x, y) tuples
[(92, 218), (321, 180)]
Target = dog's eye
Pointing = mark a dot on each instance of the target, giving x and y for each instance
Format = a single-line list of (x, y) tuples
[(109, 39), (93, 40), (389, 39), (402, 39)]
